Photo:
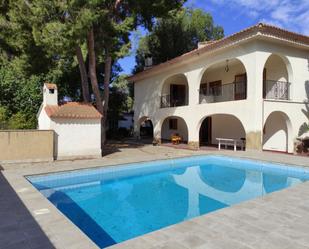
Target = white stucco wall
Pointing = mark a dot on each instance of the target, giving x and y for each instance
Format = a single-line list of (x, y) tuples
[(73, 137), (77, 137), (253, 111), (44, 122)]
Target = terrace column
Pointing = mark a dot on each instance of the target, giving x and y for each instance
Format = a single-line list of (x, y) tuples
[(194, 78), (157, 126), (193, 133), (254, 64)]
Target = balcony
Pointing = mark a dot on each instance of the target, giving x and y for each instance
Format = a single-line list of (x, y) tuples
[(276, 90), (174, 91), (226, 92), (170, 101)]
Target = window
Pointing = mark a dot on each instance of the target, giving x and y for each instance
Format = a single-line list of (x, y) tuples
[(173, 124), (203, 88), (51, 91), (215, 88)]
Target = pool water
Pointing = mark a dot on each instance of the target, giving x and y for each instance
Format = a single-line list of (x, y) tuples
[(114, 204)]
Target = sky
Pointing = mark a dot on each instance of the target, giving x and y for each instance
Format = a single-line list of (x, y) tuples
[(235, 15)]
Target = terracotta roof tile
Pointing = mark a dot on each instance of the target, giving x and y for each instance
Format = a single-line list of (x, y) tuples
[(262, 29), (51, 85), (73, 110)]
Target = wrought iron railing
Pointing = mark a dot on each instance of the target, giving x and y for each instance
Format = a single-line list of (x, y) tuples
[(170, 101), (276, 90), (226, 92)]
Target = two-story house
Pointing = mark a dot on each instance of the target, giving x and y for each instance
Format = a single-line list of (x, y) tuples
[(252, 85)]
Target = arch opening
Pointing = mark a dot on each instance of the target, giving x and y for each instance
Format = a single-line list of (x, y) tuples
[(221, 126), (145, 126), (224, 81), (174, 126), (175, 91), (277, 132), (276, 78)]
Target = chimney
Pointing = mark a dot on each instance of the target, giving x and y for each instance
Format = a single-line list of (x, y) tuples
[(204, 44), (148, 62), (50, 94)]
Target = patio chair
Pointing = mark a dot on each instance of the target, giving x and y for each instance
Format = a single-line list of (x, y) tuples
[(175, 138)]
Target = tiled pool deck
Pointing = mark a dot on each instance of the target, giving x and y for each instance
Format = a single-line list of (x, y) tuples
[(278, 220)]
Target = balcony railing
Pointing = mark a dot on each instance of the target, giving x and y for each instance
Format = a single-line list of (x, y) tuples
[(169, 101), (225, 92), (276, 90)]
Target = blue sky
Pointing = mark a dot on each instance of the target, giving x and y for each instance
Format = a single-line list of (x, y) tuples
[(235, 15)]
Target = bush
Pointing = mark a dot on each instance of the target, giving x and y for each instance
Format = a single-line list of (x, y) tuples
[(3, 118), (20, 121), (20, 98)]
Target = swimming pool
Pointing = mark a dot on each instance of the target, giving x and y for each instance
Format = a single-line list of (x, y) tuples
[(117, 203)]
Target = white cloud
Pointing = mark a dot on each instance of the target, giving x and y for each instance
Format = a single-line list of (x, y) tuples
[(288, 14)]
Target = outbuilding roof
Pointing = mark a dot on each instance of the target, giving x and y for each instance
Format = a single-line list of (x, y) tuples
[(73, 110), (259, 29), (50, 85)]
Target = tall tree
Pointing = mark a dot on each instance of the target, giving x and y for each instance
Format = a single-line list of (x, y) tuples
[(24, 65), (103, 25), (173, 36)]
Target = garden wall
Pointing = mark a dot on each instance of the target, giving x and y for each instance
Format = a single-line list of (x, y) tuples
[(26, 145)]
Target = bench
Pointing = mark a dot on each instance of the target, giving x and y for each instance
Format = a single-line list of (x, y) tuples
[(230, 141)]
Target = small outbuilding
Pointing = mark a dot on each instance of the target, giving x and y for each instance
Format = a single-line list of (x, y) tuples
[(77, 126)]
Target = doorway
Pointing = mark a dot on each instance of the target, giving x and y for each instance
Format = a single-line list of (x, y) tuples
[(240, 88), (205, 132)]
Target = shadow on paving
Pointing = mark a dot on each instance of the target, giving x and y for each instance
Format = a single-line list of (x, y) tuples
[(114, 146), (18, 229)]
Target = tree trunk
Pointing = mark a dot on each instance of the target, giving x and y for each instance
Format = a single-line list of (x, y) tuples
[(83, 74), (92, 72), (94, 80), (107, 76)]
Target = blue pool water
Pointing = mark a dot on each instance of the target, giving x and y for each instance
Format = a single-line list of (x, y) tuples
[(114, 204)]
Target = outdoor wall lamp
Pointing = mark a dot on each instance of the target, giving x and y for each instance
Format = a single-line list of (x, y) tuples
[(227, 66)]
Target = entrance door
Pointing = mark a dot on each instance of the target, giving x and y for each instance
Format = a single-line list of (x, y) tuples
[(240, 90), (205, 132), (178, 95)]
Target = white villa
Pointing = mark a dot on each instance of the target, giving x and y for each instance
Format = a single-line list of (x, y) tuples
[(252, 85), (77, 126)]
